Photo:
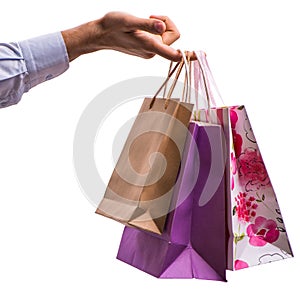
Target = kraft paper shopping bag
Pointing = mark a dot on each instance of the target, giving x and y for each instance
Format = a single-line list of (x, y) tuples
[(140, 189)]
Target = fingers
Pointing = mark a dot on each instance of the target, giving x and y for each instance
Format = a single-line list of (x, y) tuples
[(171, 34), (164, 27), (172, 54), (167, 52), (118, 23), (154, 26)]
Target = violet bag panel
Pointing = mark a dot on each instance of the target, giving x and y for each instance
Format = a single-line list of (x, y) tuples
[(186, 249), (163, 255), (208, 226), (151, 254), (180, 217)]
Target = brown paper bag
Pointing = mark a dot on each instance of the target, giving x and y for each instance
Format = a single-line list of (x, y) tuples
[(140, 189)]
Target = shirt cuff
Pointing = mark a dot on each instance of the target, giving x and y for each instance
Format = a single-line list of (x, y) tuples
[(45, 56)]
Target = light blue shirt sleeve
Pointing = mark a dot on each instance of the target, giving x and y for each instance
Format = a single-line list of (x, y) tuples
[(28, 63)]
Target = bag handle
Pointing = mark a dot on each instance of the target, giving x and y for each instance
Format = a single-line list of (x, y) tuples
[(179, 65), (171, 72), (200, 80), (166, 85), (187, 79), (207, 82), (186, 92)]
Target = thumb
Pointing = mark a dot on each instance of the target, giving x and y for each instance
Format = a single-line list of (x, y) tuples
[(153, 26)]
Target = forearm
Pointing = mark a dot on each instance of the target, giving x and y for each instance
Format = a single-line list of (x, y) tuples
[(40, 59)]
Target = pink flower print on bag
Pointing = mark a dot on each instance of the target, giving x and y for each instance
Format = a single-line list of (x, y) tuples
[(252, 171), (262, 231), (237, 142), (233, 118), (245, 207), (233, 169), (240, 264), (237, 138)]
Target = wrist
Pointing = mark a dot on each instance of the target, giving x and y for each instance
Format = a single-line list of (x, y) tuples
[(82, 39)]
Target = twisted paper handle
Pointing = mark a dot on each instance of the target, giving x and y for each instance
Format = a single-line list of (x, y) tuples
[(187, 85)]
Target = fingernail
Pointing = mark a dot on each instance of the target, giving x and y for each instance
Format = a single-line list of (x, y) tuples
[(159, 27)]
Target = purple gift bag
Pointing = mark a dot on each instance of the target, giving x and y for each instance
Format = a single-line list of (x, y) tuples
[(193, 244)]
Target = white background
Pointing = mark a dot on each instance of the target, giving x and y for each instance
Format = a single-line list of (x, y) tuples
[(51, 242)]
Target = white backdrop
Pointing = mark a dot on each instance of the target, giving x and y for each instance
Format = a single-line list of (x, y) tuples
[(51, 242)]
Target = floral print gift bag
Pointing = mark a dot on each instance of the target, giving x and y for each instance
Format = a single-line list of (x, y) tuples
[(255, 227)]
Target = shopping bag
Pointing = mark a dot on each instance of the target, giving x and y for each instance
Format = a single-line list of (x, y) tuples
[(193, 244), (140, 189), (229, 220), (256, 229)]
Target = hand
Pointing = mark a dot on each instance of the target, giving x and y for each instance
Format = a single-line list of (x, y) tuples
[(125, 33)]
